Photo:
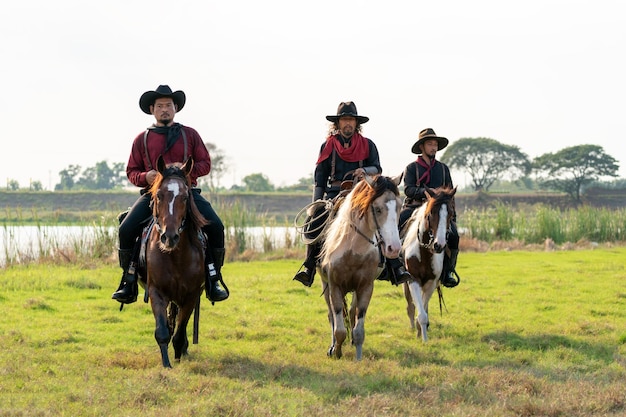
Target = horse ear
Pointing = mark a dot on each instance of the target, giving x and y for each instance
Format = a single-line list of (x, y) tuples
[(160, 164), (369, 180), (453, 191), (429, 192), (398, 179), (188, 165)]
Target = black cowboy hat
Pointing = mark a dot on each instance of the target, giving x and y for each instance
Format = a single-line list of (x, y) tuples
[(428, 134), (347, 108), (147, 99)]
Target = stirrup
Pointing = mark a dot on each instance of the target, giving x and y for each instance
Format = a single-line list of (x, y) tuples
[(306, 278), (127, 294), (401, 277), (451, 281)]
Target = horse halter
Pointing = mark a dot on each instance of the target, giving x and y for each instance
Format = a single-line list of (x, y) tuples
[(430, 245)]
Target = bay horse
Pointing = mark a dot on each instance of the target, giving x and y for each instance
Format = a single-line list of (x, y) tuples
[(425, 239), (174, 275), (363, 232)]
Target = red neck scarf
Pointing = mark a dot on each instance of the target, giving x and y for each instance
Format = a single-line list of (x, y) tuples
[(425, 178), (358, 150)]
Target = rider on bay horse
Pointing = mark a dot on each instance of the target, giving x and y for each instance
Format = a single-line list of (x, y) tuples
[(175, 143)]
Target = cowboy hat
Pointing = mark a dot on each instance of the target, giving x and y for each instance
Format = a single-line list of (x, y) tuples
[(147, 99), (428, 134), (347, 108)]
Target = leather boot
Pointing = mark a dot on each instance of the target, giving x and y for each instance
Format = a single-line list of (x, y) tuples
[(398, 274), (127, 291), (307, 275), (214, 290), (450, 278)]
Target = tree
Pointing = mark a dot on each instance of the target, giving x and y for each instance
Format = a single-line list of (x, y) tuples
[(68, 177), (13, 185), (218, 166), (36, 186), (570, 169), (257, 182), (486, 161), (98, 177)]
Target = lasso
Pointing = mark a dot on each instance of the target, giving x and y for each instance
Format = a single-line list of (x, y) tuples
[(308, 212)]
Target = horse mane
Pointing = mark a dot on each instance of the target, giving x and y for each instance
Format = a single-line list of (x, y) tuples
[(195, 218), (356, 204), (442, 195), (362, 199)]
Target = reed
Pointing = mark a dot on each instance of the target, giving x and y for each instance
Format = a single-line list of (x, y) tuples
[(533, 225), (244, 241)]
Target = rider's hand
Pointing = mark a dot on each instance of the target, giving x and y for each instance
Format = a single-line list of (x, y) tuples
[(151, 176), (359, 174)]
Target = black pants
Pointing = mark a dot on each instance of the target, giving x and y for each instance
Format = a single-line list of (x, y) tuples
[(131, 226), (313, 230), (453, 234)]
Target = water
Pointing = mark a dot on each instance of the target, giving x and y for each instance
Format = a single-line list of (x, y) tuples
[(29, 242)]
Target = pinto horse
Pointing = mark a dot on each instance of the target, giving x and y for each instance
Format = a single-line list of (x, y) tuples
[(174, 258), (425, 239), (363, 231)]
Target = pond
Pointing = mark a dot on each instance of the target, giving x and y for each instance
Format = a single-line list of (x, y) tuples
[(29, 242)]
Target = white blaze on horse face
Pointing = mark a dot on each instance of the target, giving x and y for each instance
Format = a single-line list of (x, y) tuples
[(389, 231), (174, 187), (443, 225)]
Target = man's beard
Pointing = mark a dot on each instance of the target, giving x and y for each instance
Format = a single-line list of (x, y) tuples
[(347, 132), (165, 120)]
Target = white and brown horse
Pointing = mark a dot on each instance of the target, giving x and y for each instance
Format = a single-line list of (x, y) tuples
[(425, 239), (363, 231)]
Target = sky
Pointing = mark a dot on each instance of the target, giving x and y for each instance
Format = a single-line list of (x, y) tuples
[(260, 77)]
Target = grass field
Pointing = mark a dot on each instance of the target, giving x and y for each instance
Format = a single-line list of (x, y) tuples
[(524, 334)]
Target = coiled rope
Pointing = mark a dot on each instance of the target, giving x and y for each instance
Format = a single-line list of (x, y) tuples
[(305, 218)]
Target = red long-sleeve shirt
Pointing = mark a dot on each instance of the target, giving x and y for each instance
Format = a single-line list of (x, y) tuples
[(138, 164)]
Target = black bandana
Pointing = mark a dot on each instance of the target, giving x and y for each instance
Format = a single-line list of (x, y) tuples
[(172, 132)]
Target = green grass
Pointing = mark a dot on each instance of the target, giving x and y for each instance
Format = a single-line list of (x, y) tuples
[(524, 334)]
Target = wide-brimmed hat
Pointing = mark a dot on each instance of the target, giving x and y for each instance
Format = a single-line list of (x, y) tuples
[(347, 108), (147, 99), (425, 135)]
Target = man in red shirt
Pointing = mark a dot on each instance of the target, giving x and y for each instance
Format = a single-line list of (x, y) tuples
[(175, 143)]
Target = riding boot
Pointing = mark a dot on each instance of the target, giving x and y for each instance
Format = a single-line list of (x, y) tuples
[(450, 278), (307, 275), (214, 290), (398, 275), (127, 291)]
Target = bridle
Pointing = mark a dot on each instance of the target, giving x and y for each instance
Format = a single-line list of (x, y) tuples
[(155, 216)]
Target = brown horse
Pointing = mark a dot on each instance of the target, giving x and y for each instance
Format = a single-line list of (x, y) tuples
[(174, 257), (363, 231), (425, 239)]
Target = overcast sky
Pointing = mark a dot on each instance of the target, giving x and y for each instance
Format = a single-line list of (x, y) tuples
[(260, 77)]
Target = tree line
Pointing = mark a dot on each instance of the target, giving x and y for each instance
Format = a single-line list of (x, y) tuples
[(486, 161), (569, 170)]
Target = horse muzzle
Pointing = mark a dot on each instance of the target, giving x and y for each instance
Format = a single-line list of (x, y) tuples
[(169, 240), (437, 248)]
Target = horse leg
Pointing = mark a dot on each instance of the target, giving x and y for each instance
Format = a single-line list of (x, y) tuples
[(422, 315), (410, 307), (331, 320), (363, 297), (162, 332), (180, 342), (340, 332)]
